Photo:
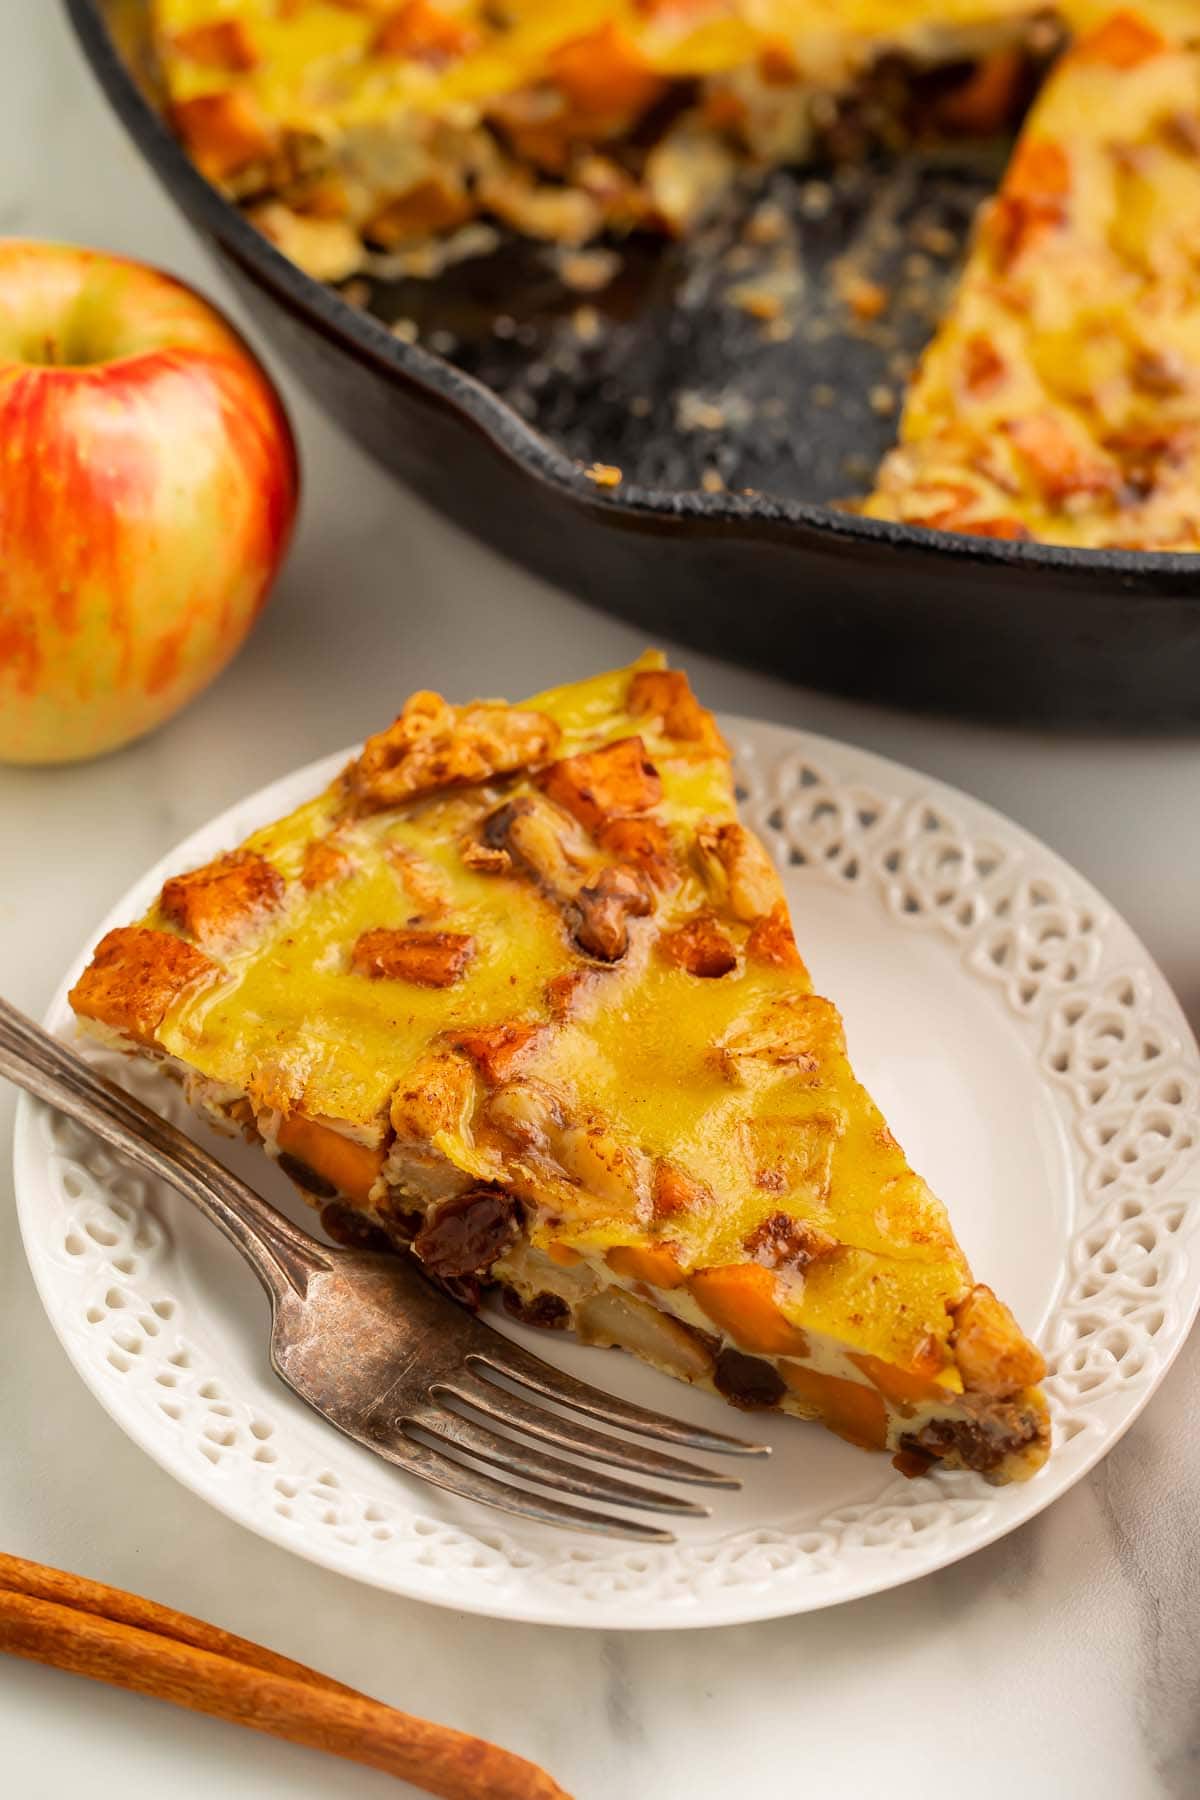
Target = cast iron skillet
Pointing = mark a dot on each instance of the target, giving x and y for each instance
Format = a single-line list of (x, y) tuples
[(773, 576)]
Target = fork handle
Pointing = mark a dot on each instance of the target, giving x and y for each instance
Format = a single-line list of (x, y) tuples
[(281, 1254)]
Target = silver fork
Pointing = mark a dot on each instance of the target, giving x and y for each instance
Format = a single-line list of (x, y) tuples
[(374, 1348)]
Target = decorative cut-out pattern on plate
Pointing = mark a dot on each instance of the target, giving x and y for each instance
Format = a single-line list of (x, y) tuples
[(1104, 1039)]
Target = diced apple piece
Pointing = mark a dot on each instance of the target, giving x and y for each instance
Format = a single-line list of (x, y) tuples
[(437, 1097), (993, 1354), (739, 870), (615, 1318)]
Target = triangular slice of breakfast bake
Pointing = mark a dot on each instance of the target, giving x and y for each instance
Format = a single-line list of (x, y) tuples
[(520, 990)]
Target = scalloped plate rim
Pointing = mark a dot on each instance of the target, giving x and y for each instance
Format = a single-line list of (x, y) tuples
[(624, 1611)]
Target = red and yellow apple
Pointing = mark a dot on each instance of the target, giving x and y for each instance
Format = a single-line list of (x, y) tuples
[(148, 484)]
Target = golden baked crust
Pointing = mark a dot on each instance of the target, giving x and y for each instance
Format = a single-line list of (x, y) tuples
[(550, 1024), (1060, 398)]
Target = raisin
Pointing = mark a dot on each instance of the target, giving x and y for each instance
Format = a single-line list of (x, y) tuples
[(306, 1178), (464, 1289), (464, 1236), (546, 1310), (352, 1230), (747, 1381), (992, 1430), (961, 1439), (912, 1463), (401, 1223)]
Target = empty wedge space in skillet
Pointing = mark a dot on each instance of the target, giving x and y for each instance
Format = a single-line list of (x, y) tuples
[(520, 993)]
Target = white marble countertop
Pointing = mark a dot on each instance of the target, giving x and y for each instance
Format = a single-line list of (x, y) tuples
[(1062, 1662)]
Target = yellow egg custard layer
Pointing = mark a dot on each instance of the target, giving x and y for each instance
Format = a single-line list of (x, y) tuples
[(518, 993)]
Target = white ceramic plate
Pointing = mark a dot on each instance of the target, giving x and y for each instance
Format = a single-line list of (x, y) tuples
[(1026, 1051)]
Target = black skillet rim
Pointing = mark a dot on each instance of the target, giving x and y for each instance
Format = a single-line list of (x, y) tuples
[(755, 516)]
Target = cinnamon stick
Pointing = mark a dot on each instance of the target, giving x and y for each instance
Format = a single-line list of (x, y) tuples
[(43, 1583), (340, 1722)]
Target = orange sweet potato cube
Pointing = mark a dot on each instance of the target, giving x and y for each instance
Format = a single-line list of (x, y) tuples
[(1040, 170), (604, 784), (428, 958), (324, 863), (222, 901), (221, 44), (604, 76), (350, 1167), (645, 844), (223, 133), (743, 1299), (771, 940), (422, 33), (438, 203), (135, 976), (499, 1050), (854, 1412), (655, 1264), (1033, 200), (682, 11), (903, 1387)]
